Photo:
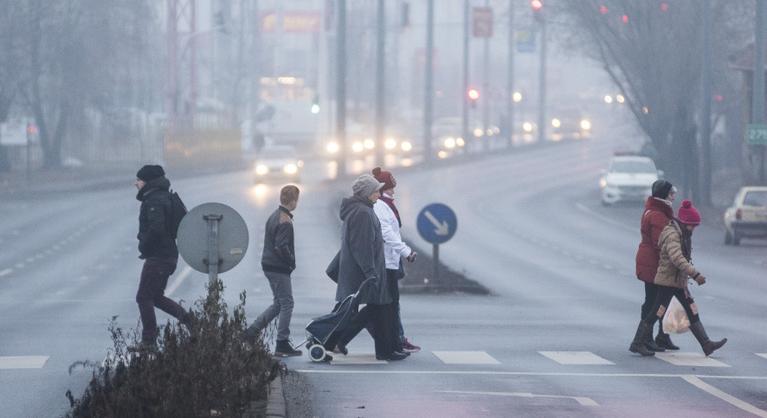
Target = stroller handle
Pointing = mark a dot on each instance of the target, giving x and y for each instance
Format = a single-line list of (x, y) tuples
[(362, 286)]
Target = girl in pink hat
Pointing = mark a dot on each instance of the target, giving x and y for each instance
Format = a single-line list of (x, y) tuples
[(674, 269)]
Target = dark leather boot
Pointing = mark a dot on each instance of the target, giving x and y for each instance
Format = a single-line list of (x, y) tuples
[(651, 345), (641, 336), (706, 344), (283, 348), (664, 341)]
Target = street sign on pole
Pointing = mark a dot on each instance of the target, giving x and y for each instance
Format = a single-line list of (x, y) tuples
[(437, 224), (756, 134), (483, 22), (212, 239)]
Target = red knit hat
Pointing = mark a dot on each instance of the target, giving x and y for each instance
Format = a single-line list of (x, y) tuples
[(688, 214), (385, 177)]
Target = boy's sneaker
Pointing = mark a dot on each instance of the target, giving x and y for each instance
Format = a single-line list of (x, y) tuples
[(284, 349), (409, 347)]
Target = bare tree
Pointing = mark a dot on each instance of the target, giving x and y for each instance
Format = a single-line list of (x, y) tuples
[(652, 51)]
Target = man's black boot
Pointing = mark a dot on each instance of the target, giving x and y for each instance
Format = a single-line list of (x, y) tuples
[(663, 340), (284, 349)]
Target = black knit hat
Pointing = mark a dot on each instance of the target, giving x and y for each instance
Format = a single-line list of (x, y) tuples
[(661, 189), (150, 172)]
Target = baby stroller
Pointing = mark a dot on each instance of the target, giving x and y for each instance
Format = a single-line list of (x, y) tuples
[(322, 333)]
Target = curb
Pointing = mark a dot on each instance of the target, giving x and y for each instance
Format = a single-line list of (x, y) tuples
[(276, 405)]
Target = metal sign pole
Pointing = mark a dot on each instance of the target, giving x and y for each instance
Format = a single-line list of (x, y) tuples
[(213, 259), (435, 257)]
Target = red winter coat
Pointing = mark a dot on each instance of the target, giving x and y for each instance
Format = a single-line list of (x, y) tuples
[(656, 216)]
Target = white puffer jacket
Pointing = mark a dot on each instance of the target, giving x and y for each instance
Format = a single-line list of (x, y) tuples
[(394, 247)]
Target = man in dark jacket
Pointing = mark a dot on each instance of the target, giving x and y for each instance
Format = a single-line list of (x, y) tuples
[(278, 261), (158, 250), (362, 266)]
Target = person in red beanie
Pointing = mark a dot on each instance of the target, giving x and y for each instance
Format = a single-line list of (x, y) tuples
[(394, 249), (674, 268)]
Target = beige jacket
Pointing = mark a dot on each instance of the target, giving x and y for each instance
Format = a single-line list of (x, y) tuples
[(673, 268)]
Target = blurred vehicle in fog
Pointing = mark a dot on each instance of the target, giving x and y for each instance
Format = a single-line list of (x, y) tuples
[(628, 178), (747, 217), (360, 143), (277, 163)]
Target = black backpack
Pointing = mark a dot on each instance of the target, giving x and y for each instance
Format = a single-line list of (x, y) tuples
[(177, 212)]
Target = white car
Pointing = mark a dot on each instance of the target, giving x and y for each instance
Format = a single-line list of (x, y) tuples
[(277, 163), (747, 217), (629, 178)]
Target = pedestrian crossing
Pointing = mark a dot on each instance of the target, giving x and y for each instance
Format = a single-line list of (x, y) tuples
[(565, 358)]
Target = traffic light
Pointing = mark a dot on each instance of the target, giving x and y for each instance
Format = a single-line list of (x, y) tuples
[(536, 5), (473, 95)]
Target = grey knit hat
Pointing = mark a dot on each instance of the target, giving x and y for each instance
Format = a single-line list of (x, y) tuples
[(365, 185)]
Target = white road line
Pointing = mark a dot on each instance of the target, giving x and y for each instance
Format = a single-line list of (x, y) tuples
[(689, 359), (603, 218), (355, 359), (179, 280), (543, 374), (764, 355), (5, 272), (22, 362), (19, 266), (745, 406), (580, 399), (576, 358), (465, 357)]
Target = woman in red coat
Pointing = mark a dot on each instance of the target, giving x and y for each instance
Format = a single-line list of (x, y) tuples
[(658, 212)]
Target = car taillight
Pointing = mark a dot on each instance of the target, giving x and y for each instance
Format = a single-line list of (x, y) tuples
[(739, 214)]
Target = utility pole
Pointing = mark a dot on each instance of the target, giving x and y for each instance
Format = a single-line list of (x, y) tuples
[(486, 88), (466, 44), (542, 83), (380, 123), (510, 81), (706, 116), (428, 82), (758, 94), (341, 87)]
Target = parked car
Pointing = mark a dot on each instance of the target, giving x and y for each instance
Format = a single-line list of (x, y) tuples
[(629, 178), (277, 163), (747, 217)]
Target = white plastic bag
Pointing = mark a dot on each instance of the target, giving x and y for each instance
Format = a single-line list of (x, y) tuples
[(675, 320)]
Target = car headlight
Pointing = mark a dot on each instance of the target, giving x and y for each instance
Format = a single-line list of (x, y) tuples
[(358, 147), (369, 143), (585, 124), (449, 142), (460, 142), (290, 169), (406, 146), (390, 144), (603, 182), (262, 170), (332, 147)]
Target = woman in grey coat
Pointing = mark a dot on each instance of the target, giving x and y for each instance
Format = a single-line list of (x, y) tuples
[(361, 261)]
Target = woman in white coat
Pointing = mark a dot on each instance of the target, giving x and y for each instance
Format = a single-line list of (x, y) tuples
[(394, 249)]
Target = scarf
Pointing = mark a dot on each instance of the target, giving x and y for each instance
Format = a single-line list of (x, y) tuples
[(390, 202)]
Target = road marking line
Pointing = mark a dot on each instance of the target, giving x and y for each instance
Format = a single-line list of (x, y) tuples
[(604, 218), (19, 266), (22, 362), (690, 359), (5, 272), (576, 358), (355, 359), (465, 357), (743, 405), (584, 401), (764, 355), (29, 260), (543, 374), (179, 279)]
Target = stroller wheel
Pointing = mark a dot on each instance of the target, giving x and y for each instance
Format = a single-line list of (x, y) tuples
[(317, 353)]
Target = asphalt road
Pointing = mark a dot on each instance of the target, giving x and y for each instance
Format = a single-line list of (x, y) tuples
[(530, 228)]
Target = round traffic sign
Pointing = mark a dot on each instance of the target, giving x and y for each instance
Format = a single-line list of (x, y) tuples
[(193, 237), (437, 223)]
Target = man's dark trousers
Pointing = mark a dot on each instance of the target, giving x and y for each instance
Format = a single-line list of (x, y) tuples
[(151, 293)]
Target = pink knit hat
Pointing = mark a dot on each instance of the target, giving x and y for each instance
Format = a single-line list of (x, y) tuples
[(688, 214)]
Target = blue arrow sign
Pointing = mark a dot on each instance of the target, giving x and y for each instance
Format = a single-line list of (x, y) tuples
[(437, 223)]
